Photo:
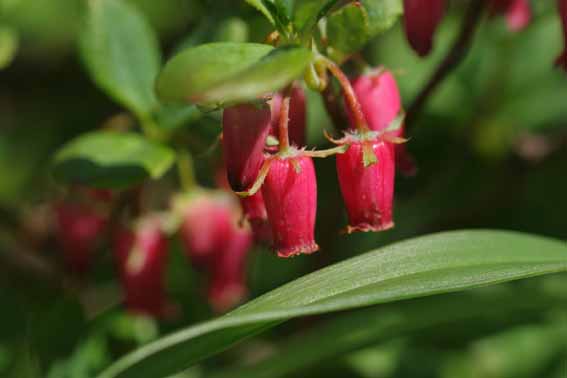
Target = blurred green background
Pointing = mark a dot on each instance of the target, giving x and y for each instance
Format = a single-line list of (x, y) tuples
[(491, 147)]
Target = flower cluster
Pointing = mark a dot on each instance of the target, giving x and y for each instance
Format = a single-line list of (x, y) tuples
[(267, 164), (283, 182)]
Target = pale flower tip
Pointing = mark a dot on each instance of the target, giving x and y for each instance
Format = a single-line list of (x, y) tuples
[(306, 249)]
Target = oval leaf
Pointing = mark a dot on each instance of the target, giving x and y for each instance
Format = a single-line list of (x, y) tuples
[(259, 5), (352, 26), (382, 14), (434, 264), (271, 73), (347, 28), (230, 72), (121, 53), (111, 160), (200, 68), (308, 12)]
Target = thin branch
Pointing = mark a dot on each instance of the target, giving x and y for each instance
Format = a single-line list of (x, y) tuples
[(26, 263), (349, 95), (335, 110), (283, 124), (456, 54)]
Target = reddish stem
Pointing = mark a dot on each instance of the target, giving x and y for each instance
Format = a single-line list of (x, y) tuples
[(283, 134), (350, 97)]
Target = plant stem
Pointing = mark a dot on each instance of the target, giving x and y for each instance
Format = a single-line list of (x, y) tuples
[(350, 97), (185, 170), (456, 54), (283, 125)]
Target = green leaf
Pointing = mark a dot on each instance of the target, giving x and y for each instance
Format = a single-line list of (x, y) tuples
[(347, 29), (171, 117), (225, 72), (278, 12), (121, 53), (56, 331), (273, 72), (382, 14), (434, 264), (109, 159), (197, 69), (352, 26), (9, 44), (259, 4), (356, 330), (308, 12)]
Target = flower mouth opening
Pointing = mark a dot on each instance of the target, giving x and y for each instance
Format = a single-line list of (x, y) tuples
[(303, 249), (367, 227)]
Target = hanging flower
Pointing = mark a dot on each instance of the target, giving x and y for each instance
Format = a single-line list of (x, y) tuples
[(290, 195), (421, 18), (140, 254)]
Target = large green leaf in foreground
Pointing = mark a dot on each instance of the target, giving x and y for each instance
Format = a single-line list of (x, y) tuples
[(354, 330), (428, 265)]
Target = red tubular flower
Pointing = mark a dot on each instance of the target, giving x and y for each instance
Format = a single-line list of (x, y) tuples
[(421, 20), (253, 208), (228, 281), (78, 229), (561, 60), (368, 191), (290, 195), (207, 221), (297, 116), (141, 255), (380, 101), (245, 128), (518, 15), (518, 12), (255, 212)]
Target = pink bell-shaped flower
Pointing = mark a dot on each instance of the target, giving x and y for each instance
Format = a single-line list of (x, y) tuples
[(367, 189), (290, 195), (228, 277), (518, 12), (78, 229), (254, 210), (421, 18), (141, 254), (379, 98), (245, 128), (207, 222)]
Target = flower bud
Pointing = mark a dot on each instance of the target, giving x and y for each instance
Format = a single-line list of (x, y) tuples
[(380, 101), (421, 18), (228, 280), (207, 221), (368, 191), (297, 116), (254, 210), (290, 195), (141, 254), (78, 229), (562, 58), (518, 12), (245, 128)]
